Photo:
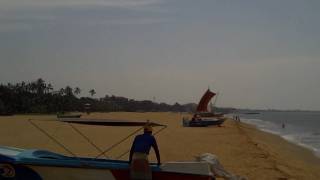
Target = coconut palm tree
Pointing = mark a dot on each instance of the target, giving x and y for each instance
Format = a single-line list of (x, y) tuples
[(61, 92), (40, 86), (68, 91), (49, 88), (92, 92), (77, 91)]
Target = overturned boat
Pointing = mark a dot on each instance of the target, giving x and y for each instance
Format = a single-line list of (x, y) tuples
[(37, 164)]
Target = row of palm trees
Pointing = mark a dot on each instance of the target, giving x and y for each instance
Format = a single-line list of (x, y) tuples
[(41, 87), (40, 97)]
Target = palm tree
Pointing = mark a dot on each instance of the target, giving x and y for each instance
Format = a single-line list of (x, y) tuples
[(92, 92), (33, 87), (77, 91), (40, 86), (61, 92), (49, 88), (68, 91)]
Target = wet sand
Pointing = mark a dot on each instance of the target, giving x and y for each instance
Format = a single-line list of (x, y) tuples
[(241, 148)]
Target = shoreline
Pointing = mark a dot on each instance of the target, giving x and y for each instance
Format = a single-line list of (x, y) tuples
[(296, 161), (301, 145), (241, 148)]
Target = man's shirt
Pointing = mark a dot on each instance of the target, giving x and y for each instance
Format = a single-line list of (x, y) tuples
[(142, 143)]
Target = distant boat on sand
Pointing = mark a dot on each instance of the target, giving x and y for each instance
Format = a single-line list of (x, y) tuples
[(203, 117), (68, 115)]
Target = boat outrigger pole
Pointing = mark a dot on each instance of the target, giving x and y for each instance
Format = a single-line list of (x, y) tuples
[(88, 140), (98, 123), (51, 137), (116, 144)]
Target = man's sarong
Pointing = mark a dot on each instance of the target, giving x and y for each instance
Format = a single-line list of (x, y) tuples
[(140, 169)]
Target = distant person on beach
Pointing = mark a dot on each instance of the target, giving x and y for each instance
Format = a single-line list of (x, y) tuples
[(237, 118), (138, 159), (283, 126)]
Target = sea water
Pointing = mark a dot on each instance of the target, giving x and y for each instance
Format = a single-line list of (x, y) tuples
[(302, 128)]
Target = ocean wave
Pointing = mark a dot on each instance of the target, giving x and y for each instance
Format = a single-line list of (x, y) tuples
[(310, 140), (305, 140), (264, 125)]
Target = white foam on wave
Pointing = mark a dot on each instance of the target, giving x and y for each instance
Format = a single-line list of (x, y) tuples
[(306, 140), (309, 140), (263, 125)]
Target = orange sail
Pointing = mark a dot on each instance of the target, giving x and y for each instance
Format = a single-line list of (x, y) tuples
[(203, 104)]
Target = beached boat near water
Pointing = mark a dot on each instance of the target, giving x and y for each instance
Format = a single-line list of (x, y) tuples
[(37, 164), (203, 122), (203, 117)]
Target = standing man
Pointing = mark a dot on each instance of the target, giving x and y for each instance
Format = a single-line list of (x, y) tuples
[(138, 159)]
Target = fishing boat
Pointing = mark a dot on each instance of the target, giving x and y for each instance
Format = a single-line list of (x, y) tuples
[(37, 164), (206, 110), (203, 122), (203, 117), (20, 164), (68, 115)]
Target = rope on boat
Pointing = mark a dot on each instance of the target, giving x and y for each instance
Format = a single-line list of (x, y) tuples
[(88, 140), (101, 152), (56, 141), (116, 144), (121, 155)]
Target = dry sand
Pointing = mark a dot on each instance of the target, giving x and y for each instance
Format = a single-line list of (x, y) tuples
[(241, 148)]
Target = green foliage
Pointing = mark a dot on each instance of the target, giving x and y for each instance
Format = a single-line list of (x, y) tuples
[(92, 92), (40, 97), (2, 107)]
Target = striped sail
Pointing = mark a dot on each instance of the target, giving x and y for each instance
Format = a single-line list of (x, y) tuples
[(204, 101)]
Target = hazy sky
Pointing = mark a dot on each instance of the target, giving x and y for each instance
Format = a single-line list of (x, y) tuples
[(257, 54)]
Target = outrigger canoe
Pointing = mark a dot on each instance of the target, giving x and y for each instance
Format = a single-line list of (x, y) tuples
[(205, 118), (68, 115), (203, 122)]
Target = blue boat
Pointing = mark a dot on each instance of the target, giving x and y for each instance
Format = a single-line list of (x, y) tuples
[(20, 164)]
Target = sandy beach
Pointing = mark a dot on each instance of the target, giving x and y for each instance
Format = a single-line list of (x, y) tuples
[(241, 148)]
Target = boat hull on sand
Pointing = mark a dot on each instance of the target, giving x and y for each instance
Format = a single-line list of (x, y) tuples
[(202, 123), (21, 164), (69, 116)]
